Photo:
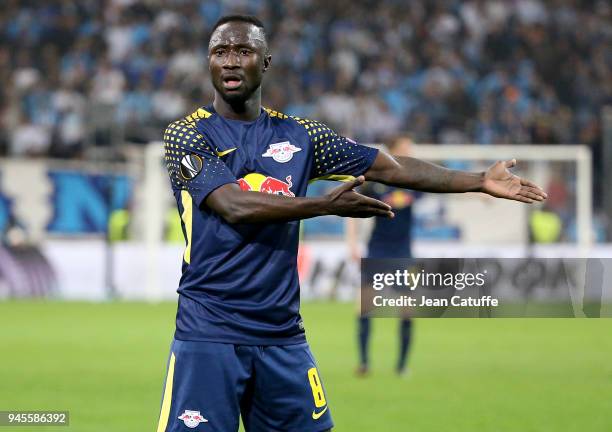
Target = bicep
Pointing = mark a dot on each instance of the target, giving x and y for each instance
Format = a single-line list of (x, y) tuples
[(224, 200), (383, 168)]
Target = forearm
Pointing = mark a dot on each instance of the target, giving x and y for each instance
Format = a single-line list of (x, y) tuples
[(416, 174), (250, 207)]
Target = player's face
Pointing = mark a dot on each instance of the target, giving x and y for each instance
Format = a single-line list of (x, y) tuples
[(238, 58)]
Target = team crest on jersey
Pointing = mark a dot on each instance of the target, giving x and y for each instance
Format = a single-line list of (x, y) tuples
[(192, 418), (281, 152), (191, 165)]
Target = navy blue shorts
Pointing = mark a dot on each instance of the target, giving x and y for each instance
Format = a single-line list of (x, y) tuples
[(275, 389)]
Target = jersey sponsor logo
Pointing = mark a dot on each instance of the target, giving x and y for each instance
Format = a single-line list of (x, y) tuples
[(192, 418), (262, 183), (317, 415), (191, 165), (224, 152), (281, 152)]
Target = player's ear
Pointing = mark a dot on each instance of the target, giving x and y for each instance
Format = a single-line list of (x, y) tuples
[(208, 61), (267, 61)]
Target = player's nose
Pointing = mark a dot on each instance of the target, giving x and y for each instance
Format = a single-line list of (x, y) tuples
[(232, 61)]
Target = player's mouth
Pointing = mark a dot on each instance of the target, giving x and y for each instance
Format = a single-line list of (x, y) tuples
[(231, 82)]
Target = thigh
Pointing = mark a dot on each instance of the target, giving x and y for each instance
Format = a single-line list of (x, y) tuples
[(203, 388), (288, 393)]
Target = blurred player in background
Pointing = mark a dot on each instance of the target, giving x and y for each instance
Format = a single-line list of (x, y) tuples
[(389, 238), (240, 346)]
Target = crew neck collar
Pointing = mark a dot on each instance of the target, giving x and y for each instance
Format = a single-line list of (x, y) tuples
[(210, 108)]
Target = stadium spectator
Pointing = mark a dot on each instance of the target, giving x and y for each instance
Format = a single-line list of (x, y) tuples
[(30, 139), (484, 71)]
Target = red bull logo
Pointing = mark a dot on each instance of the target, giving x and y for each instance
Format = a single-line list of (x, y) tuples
[(244, 185), (281, 152), (192, 418), (266, 184)]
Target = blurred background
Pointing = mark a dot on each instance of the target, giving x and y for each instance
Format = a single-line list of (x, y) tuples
[(90, 85), (86, 212)]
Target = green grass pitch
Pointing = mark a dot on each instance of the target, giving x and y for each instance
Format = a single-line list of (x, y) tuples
[(105, 363)]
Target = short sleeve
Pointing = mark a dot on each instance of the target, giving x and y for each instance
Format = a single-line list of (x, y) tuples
[(192, 164), (335, 156)]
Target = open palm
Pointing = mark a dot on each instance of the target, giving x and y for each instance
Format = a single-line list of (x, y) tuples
[(501, 183)]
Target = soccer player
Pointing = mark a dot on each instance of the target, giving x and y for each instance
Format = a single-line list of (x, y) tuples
[(390, 238), (240, 346)]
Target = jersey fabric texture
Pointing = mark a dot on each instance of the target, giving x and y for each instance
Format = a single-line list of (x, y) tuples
[(391, 238), (275, 388), (239, 282)]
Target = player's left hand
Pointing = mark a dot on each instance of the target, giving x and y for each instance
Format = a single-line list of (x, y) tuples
[(501, 183)]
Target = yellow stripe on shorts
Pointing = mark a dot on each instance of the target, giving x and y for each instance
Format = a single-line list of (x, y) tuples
[(165, 410)]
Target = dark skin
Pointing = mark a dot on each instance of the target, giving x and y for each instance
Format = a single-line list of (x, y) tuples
[(238, 60)]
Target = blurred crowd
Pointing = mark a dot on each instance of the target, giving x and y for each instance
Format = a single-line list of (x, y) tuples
[(94, 72)]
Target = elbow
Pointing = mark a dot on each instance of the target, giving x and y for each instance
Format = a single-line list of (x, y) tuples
[(233, 213), (232, 205), (384, 177), (389, 174), (237, 218), (230, 218)]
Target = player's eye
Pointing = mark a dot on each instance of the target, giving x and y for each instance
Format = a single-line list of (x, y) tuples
[(245, 52), (220, 53)]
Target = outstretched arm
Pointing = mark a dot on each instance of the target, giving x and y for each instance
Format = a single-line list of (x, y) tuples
[(416, 174), (238, 206)]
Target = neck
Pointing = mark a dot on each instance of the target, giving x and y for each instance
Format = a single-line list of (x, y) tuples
[(246, 110)]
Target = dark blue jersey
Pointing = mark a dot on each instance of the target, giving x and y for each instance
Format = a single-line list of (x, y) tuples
[(240, 282), (391, 238)]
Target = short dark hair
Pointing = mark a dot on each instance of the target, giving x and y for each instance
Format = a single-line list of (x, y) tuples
[(239, 18), (249, 19)]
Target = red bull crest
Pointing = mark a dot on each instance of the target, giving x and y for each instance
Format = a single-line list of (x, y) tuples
[(281, 152), (192, 418), (266, 184)]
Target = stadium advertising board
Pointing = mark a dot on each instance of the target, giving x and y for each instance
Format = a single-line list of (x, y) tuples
[(42, 197)]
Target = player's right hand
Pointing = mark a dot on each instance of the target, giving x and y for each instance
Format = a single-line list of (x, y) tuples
[(344, 201)]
